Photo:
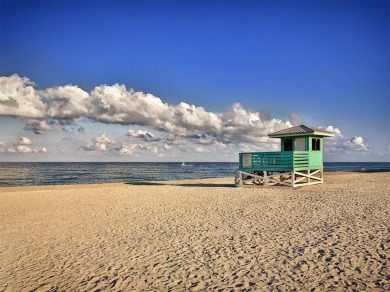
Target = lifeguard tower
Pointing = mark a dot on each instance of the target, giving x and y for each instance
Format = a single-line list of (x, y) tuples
[(299, 163)]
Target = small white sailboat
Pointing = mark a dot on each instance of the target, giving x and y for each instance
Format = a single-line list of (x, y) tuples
[(183, 164)]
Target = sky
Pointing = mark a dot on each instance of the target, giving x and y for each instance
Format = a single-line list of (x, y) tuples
[(191, 80)]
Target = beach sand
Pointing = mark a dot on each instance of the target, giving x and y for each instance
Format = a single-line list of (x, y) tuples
[(197, 235)]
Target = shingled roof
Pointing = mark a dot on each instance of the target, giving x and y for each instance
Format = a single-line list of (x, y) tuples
[(300, 130)]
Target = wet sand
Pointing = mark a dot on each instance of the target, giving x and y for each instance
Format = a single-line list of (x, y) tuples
[(197, 235)]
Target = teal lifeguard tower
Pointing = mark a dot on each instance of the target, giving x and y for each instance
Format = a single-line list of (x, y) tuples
[(299, 163)]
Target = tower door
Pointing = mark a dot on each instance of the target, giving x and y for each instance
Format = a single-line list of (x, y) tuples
[(300, 144), (287, 144)]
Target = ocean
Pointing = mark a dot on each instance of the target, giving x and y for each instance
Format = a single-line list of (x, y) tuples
[(53, 173)]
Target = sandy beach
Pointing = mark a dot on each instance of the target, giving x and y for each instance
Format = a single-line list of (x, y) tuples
[(197, 235)]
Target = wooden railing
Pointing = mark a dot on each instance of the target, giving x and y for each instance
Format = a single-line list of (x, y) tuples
[(274, 161)]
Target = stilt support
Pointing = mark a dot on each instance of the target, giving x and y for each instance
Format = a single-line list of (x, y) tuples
[(277, 179)]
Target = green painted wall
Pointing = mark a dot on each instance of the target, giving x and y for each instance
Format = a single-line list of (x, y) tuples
[(315, 157), (282, 141), (287, 160)]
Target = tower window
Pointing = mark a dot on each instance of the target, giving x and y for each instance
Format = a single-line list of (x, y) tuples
[(316, 144), (300, 144), (288, 145)]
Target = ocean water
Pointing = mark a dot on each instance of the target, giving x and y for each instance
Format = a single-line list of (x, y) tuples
[(52, 173)]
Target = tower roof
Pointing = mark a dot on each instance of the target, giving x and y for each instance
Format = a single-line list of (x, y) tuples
[(300, 130)]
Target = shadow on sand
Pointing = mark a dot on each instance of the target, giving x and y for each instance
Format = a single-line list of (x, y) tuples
[(205, 185)]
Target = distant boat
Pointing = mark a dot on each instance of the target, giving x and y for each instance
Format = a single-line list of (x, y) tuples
[(183, 164)]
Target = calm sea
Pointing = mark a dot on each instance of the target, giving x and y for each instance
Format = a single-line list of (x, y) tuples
[(51, 173)]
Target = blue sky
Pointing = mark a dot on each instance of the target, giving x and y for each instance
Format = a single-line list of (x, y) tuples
[(216, 77)]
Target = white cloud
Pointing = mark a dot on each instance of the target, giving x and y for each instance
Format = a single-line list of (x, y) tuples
[(202, 139), (66, 102), (103, 139), (181, 127), (127, 149), (192, 117), (356, 143), (137, 149), (220, 144), (2, 146), (22, 149), (99, 143), (336, 131), (37, 126), (116, 104), (340, 145), (241, 125), (24, 141), (170, 127), (22, 146), (357, 140), (18, 97), (167, 146), (200, 149), (139, 134), (175, 143)]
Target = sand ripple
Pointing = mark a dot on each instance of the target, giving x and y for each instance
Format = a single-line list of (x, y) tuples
[(197, 235)]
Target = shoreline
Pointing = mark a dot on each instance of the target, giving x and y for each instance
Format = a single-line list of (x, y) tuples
[(156, 182), (197, 235)]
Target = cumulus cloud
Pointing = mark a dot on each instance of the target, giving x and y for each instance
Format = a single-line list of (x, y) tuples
[(241, 125), (201, 139), (199, 149), (66, 102), (2, 146), (99, 143), (339, 144), (175, 143), (24, 141), (127, 149), (166, 146), (220, 144), (357, 140), (335, 131), (193, 117), (103, 139), (116, 104), (356, 143), (139, 134), (23, 145), (179, 124), (37, 126), (137, 149), (170, 127), (18, 97)]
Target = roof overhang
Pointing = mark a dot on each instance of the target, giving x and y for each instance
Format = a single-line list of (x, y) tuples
[(300, 131), (321, 134)]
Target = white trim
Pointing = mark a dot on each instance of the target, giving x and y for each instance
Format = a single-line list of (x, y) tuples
[(291, 178)]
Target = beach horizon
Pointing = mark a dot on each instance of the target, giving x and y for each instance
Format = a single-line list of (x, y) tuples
[(61, 173), (199, 234)]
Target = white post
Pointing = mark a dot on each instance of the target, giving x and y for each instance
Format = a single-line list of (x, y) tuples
[(265, 180), (293, 179)]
